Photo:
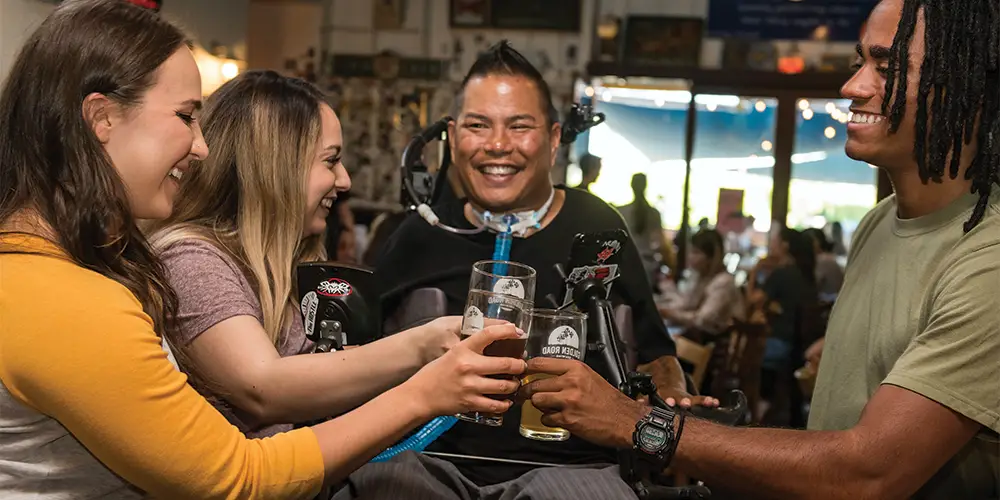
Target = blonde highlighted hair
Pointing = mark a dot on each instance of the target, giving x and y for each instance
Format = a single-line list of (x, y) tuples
[(249, 197)]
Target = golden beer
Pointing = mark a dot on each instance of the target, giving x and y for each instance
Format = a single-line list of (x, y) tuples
[(554, 334), (531, 418)]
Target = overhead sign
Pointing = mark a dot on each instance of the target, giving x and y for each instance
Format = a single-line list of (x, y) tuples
[(829, 20)]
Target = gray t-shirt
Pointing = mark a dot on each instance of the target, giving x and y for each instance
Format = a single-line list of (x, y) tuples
[(212, 288), (918, 310)]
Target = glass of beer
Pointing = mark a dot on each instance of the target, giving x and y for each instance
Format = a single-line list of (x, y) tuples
[(480, 306), (501, 276), (552, 334)]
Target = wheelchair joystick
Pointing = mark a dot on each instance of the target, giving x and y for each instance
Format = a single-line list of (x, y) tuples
[(590, 295)]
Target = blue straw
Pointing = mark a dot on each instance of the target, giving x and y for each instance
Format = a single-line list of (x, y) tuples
[(420, 440)]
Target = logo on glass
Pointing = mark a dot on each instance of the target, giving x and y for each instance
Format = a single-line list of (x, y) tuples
[(510, 287), (563, 342), (473, 321)]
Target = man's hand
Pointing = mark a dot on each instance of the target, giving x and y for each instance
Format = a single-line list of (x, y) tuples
[(579, 400), (671, 384)]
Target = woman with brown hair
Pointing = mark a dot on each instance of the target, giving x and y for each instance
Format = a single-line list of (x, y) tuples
[(98, 127), (712, 301), (245, 218)]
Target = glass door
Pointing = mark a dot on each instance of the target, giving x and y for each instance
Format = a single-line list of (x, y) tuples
[(828, 190)]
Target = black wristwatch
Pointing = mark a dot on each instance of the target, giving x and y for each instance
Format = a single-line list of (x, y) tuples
[(654, 437)]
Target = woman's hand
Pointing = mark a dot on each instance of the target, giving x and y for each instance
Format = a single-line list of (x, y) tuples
[(437, 337), (457, 382), (440, 335)]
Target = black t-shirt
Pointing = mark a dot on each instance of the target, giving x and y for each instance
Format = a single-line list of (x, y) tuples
[(786, 286), (422, 256)]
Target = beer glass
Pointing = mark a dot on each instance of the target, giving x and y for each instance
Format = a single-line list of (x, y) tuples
[(480, 306), (501, 276), (552, 334)]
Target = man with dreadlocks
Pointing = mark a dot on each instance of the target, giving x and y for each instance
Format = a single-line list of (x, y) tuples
[(907, 403)]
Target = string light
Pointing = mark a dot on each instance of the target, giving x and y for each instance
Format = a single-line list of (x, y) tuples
[(760, 106), (807, 114), (830, 132)]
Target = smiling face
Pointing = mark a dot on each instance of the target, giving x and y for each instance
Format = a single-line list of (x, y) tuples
[(503, 144), (327, 175), (152, 145), (868, 133)]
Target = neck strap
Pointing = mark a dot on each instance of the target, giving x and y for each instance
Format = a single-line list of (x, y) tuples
[(517, 223)]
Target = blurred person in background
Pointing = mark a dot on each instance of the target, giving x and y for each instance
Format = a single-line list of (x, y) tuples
[(829, 274), (781, 286), (646, 230), (710, 304), (590, 169), (839, 247)]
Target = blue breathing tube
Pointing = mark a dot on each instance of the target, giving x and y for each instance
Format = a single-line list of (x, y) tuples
[(421, 439)]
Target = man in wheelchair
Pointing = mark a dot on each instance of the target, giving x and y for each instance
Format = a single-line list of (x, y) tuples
[(503, 144)]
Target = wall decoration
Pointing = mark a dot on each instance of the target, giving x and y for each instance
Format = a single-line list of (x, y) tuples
[(663, 41), (609, 38), (470, 13), (389, 14), (378, 118), (547, 15)]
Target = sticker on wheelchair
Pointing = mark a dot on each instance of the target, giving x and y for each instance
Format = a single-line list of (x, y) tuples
[(595, 255)]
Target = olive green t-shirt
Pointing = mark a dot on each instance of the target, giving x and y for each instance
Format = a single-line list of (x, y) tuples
[(920, 309)]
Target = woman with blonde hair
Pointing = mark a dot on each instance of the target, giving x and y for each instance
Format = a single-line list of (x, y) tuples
[(247, 216), (98, 126)]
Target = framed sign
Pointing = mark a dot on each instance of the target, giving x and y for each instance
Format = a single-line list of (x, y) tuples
[(821, 20), (470, 13), (546, 15), (663, 41)]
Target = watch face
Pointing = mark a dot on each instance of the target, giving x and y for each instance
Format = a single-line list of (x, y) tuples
[(652, 439)]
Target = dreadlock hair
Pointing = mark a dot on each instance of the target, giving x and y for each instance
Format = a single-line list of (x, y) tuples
[(502, 59), (959, 89)]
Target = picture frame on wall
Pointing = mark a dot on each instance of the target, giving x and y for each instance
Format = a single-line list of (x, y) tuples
[(469, 13), (389, 14), (663, 41)]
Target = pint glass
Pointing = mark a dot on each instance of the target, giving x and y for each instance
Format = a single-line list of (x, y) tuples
[(480, 306), (508, 278), (552, 334)]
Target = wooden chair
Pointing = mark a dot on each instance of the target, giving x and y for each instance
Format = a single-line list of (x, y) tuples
[(697, 355), (739, 360)]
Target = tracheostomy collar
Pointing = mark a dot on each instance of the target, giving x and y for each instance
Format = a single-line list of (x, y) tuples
[(518, 223)]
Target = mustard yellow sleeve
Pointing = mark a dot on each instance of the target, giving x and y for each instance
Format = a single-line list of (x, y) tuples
[(87, 356)]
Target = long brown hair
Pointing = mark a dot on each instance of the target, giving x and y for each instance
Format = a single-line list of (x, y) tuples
[(51, 161), (249, 197)]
